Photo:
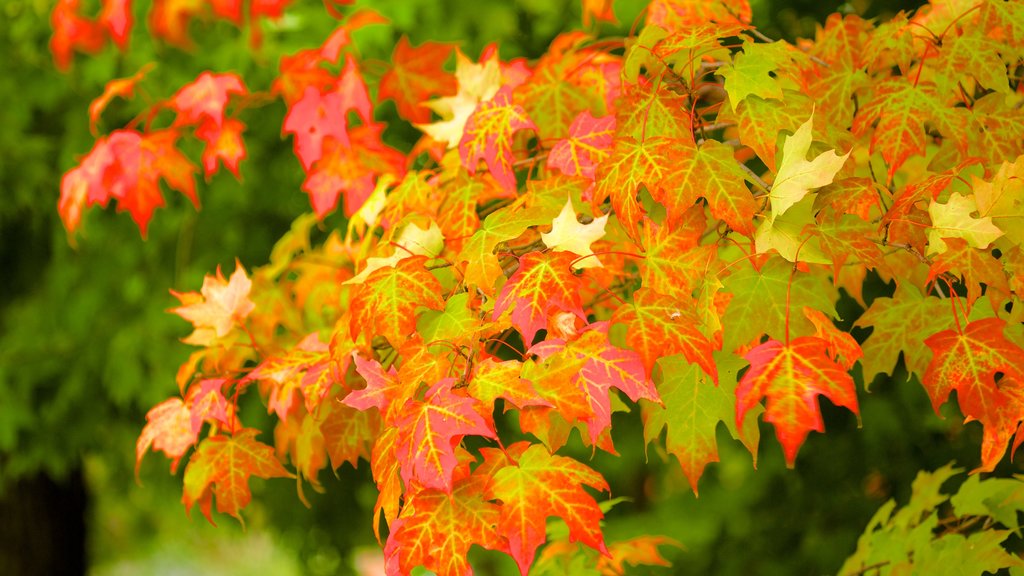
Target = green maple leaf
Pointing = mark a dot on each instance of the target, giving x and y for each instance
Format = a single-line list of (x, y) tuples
[(692, 407)]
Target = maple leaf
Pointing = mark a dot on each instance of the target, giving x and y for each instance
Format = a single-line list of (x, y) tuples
[(586, 145), (221, 467), (539, 485), (751, 71), (660, 325), (349, 434), (691, 408), (578, 375), (312, 119), (673, 14), (759, 298), (168, 429), (488, 136), (569, 235), (218, 307), (710, 171), (121, 88), (73, 32), (543, 281), (900, 109), (387, 301), (568, 80), (792, 376), (428, 432), (415, 74), (953, 220), (760, 122), (975, 267), (223, 144), (673, 262), (477, 83), (797, 176), (1002, 199), (968, 360), (351, 166), (630, 164), (598, 10), (206, 97), (437, 529), (127, 166), (493, 380)]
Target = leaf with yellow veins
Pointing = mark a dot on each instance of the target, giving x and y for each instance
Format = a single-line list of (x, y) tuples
[(797, 176), (477, 83), (953, 220), (569, 235), (411, 241)]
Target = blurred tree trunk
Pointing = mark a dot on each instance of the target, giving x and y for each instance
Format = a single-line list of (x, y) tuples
[(42, 526)]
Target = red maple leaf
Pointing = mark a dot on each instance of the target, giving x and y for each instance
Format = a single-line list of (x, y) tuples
[(127, 166), (536, 485), (437, 529), (224, 143), (121, 87), (488, 136), (387, 301), (206, 97), (352, 168), (312, 119), (221, 467), (544, 281), (587, 144), (969, 361), (416, 74), (660, 325), (429, 430), (116, 17), (71, 31), (792, 376)]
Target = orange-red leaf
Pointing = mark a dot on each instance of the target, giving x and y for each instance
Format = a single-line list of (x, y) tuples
[(222, 466), (488, 137), (387, 300), (969, 361), (416, 74), (660, 325), (792, 376), (206, 97), (539, 485), (428, 432), (543, 282)]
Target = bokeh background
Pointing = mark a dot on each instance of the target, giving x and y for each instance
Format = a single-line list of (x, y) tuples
[(86, 345)]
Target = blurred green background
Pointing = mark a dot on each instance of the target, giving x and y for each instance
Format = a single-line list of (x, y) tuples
[(86, 347)]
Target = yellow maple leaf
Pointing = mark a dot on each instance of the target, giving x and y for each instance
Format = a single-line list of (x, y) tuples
[(218, 307), (797, 176), (953, 220), (569, 235), (477, 83)]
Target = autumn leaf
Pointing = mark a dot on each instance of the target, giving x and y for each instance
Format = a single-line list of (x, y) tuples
[(586, 145), (436, 529), (539, 485), (206, 98), (221, 468), (797, 176), (792, 376), (953, 220), (120, 88), (477, 83), (544, 281), (224, 144), (569, 235), (313, 119), (416, 73), (168, 429), (387, 301), (692, 406), (985, 370), (428, 431), (218, 308), (488, 137), (660, 325)]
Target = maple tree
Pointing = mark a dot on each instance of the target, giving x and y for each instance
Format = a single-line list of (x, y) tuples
[(671, 215)]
